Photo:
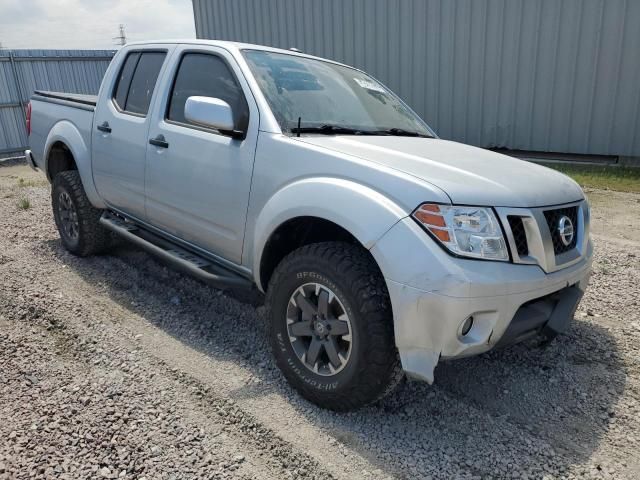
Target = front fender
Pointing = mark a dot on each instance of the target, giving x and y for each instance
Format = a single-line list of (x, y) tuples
[(66, 132), (362, 211)]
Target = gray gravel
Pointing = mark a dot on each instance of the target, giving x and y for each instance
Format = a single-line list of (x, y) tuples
[(118, 367)]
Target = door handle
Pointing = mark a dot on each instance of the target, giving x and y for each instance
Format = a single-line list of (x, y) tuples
[(104, 127), (159, 141)]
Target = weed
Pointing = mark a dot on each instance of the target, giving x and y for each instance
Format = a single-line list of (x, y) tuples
[(24, 203), (22, 183)]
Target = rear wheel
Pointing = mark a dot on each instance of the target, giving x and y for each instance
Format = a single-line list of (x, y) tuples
[(77, 220), (332, 326)]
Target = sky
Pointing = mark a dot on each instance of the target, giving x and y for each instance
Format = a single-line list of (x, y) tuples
[(91, 24)]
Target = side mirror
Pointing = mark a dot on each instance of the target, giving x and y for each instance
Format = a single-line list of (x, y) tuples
[(209, 112)]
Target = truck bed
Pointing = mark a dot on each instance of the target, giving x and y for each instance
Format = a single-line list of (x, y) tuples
[(64, 111), (90, 100)]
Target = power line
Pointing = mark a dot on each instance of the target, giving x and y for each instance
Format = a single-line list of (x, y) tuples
[(122, 38)]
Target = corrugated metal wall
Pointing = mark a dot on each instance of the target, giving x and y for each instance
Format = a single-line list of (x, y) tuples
[(23, 71), (543, 75)]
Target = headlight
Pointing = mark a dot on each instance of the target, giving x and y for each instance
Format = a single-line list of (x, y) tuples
[(467, 231)]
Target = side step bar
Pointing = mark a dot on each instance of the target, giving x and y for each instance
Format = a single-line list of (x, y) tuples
[(184, 260)]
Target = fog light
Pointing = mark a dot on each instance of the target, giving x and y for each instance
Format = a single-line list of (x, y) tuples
[(466, 326)]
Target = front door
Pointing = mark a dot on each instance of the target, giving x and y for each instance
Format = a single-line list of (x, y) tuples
[(120, 131), (198, 179)]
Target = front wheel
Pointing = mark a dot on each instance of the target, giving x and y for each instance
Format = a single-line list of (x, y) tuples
[(331, 326)]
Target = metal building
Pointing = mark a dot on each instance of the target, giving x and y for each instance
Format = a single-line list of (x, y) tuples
[(536, 75), (23, 71)]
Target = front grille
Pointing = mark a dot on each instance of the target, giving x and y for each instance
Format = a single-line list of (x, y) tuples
[(519, 235), (553, 218)]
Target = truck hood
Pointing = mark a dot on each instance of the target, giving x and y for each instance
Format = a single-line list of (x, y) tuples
[(469, 175)]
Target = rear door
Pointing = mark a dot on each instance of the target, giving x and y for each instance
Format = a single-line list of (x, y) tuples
[(121, 124), (197, 181)]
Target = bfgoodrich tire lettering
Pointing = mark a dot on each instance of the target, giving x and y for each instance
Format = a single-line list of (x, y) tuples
[(77, 220), (373, 366)]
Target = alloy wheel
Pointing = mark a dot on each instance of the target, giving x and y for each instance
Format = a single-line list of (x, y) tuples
[(319, 329), (68, 216)]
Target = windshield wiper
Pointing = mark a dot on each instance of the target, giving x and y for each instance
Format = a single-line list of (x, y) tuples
[(338, 130), (400, 132), (329, 130)]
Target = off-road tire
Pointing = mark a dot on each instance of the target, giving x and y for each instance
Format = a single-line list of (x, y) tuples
[(92, 238), (373, 369)]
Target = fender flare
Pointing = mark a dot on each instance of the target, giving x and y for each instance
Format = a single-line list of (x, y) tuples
[(67, 133), (362, 211)]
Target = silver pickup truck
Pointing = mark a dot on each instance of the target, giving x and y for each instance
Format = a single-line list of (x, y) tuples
[(382, 249)]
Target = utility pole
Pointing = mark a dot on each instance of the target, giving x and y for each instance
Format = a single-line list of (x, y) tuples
[(122, 38)]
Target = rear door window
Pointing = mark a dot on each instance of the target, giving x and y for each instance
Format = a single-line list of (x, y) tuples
[(137, 81), (124, 80), (207, 75)]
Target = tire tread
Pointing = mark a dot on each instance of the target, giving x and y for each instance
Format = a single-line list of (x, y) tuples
[(94, 238), (381, 371)]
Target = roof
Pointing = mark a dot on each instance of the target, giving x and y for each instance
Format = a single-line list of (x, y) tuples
[(233, 46)]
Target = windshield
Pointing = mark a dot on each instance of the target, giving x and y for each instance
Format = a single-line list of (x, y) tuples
[(327, 98)]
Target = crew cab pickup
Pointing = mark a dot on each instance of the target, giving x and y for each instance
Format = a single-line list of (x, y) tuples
[(382, 249)]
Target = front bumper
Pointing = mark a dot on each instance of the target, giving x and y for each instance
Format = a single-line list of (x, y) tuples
[(433, 293)]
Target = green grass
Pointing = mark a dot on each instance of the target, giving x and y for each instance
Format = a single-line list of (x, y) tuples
[(621, 179), (22, 183), (24, 203)]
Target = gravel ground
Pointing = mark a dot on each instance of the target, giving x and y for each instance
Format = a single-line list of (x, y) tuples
[(118, 367)]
